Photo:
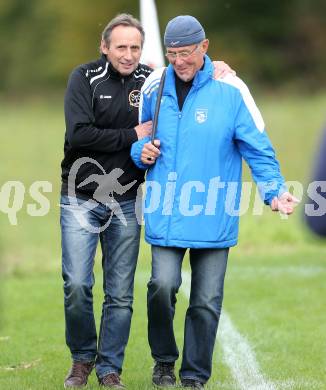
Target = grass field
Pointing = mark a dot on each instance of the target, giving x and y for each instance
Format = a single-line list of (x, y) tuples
[(273, 332)]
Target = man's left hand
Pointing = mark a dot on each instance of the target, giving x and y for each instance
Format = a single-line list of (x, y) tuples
[(221, 69), (285, 204)]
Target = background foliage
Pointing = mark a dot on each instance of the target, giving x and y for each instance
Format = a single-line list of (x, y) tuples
[(276, 44)]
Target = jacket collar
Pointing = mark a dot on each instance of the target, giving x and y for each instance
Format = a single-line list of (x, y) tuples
[(201, 77), (114, 74)]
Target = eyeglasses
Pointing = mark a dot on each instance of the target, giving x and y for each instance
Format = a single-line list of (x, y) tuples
[(183, 55)]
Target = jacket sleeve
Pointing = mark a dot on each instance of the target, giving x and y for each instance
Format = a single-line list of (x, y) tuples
[(136, 150), (256, 148), (145, 114), (148, 95), (81, 132)]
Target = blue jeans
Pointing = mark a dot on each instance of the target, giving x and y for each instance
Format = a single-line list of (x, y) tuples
[(208, 268), (80, 228)]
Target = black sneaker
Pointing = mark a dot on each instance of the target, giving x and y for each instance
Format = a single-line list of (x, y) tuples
[(163, 374), (192, 383)]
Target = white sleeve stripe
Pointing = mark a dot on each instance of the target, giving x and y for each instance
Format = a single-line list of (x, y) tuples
[(151, 84), (153, 89), (100, 75), (148, 88), (153, 78), (144, 70), (139, 75), (140, 109), (247, 98)]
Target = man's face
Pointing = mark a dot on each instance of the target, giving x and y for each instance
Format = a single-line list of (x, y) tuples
[(187, 60), (124, 49)]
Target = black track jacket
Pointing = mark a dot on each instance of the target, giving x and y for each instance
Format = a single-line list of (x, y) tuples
[(101, 111)]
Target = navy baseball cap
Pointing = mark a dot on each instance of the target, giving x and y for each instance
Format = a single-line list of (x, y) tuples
[(183, 30)]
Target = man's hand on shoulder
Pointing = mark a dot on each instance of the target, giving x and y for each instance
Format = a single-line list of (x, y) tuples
[(221, 69), (144, 129), (285, 204)]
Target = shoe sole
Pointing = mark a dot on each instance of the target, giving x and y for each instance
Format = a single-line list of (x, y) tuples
[(163, 386)]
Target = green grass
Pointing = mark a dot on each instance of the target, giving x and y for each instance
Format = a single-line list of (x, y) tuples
[(275, 285)]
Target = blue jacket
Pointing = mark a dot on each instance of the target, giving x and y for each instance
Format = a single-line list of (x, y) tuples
[(193, 190)]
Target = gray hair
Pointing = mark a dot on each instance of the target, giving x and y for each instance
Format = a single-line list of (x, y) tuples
[(122, 20)]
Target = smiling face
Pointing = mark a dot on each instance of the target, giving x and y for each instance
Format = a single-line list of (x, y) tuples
[(123, 49), (187, 60)]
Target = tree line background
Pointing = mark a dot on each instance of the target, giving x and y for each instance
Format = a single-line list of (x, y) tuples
[(275, 44)]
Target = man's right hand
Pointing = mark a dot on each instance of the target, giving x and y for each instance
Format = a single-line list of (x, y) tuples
[(144, 129), (285, 204), (150, 152)]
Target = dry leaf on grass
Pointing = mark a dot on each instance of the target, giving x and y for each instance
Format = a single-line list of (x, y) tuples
[(21, 366)]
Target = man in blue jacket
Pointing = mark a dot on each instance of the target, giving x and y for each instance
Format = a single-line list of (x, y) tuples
[(205, 128)]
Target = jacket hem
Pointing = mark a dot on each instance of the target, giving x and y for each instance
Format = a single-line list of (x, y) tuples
[(190, 244), (129, 195)]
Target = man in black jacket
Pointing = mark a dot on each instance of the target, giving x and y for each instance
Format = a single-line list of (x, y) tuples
[(101, 112)]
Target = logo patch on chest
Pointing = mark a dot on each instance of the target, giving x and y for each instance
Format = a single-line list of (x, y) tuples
[(134, 98), (201, 115)]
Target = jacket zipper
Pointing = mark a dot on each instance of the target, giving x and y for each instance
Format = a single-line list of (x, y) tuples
[(175, 159), (125, 93)]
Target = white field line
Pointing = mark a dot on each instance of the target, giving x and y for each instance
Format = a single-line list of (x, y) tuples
[(236, 350)]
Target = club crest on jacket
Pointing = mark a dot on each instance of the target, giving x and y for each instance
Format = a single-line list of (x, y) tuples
[(134, 98), (201, 115)]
